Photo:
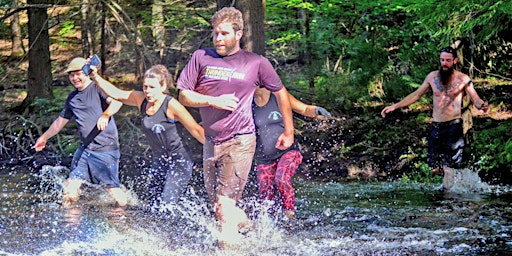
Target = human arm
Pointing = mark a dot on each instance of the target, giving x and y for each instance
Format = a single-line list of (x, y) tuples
[(286, 139), (131, 98), (191, 98), (477, 101), (54, 128), (182, 115), (190, 91), (305, 109), (409, 99), (113, 107)]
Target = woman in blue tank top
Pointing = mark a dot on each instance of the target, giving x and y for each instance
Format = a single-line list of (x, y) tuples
[(171, 167)]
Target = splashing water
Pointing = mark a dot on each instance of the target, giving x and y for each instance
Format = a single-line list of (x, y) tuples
[(51, 181), (467, 181), (356, 218)]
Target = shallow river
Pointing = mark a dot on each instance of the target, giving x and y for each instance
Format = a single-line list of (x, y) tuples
[(353, 218)]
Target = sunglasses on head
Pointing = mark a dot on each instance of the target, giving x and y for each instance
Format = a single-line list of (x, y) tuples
[(449, 50)]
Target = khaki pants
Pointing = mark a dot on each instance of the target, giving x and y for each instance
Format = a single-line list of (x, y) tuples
[(226, 166)]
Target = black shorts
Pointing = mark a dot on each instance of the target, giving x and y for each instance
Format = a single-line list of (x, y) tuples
[(445, 144)]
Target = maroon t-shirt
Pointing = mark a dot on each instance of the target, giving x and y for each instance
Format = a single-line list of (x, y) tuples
[(211, 74)]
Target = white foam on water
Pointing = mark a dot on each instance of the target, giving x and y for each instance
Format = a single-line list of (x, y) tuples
[(52, 180), (7, 254), (468, 181), (113, 242)]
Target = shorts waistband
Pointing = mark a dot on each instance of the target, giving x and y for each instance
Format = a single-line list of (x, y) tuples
[(447, 123), (233, 137)]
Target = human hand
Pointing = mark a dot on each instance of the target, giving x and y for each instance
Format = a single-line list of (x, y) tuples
[(387, 110), (284, 141), (40, 144), (482, 106), (93, 62), (322, 112), (103, 122), (94, 72), (225, 102)]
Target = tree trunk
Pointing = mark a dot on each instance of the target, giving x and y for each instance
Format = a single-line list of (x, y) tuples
[(39, 65), (103, 48), (91, 27), (224, 3), (17, 46), (86, 43), (253, 12), (139, 54), (309, 50), (158, 27)]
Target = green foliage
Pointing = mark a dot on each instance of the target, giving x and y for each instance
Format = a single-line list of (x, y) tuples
[(70, 144), (422, 174), (452, 19), (5, 3), (45, 106), (342, 84), (492, 151), (508, 151), (337, 91), (67, 28), (409, 34), (396, 87), (474, 22)]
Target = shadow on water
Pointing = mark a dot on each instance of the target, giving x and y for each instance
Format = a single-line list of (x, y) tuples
[(353, 218)]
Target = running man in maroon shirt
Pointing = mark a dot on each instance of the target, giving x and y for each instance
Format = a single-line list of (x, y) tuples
[(221, 82)]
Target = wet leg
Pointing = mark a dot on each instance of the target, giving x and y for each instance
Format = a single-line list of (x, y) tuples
[(266, 174), (286, 168), (178, 176), (449, 178), (118, 195), (437, 171), (231, 218), (71, 191)]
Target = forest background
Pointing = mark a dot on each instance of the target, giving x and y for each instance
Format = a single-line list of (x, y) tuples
[(351, 57)]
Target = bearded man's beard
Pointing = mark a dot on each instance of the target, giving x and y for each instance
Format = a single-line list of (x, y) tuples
[(445, 75)]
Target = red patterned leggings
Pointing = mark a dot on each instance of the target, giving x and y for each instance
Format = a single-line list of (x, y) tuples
[(278, 175)]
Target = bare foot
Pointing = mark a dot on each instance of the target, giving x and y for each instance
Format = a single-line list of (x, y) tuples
[(246, 227), (449, 178), (290, 214), (68, 200), (438, 171)]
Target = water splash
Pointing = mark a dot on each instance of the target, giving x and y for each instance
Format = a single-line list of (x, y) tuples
[(463, 181), (51, 181), (357, 218)]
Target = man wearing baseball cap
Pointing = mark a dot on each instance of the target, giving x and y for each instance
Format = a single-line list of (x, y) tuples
[(97, 158)]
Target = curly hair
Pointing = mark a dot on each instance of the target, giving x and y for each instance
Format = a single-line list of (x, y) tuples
[(161, 73), (231, 15)]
